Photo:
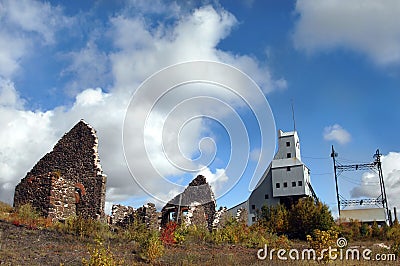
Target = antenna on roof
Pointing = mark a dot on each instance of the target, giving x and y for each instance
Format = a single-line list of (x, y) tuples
[(294, 120)]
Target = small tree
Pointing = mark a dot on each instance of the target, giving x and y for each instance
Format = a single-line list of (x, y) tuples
[(275, 218), (376, 231), (306, 216)]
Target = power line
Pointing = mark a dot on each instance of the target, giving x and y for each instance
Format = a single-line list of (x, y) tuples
[(316, 158)]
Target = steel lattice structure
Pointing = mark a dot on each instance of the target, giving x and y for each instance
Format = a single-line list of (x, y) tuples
[(380, 201)]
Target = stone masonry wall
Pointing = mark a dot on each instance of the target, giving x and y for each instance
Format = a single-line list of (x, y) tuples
[(125, 215), (75, 158), (50, 194), (122, 215), (148, 215)]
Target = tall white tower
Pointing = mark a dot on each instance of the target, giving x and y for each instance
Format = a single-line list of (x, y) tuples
[(290, 177)]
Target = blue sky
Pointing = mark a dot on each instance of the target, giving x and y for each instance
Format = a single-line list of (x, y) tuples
[(338, 62)]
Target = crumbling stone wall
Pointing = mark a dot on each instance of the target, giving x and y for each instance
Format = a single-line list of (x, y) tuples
[(242, 215), (75, 159), (198, 193), (148, 215), (54, 194), (125, 215), (196, 216), (122, 215), (221, 217)]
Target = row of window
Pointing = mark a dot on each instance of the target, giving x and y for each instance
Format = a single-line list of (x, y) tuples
[(285, 184)]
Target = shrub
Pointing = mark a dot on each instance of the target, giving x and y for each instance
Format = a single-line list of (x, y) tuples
[(195, 234), (27, 215), (393, 234), (322, 240), (180, 234), (275, 218), (82, 227), (306, 216), (365, 231), (136, 231), (376, 231), (168, 233), (351, 230), (152, 248), (101, 256), (5, 208), (298, 221), (259, 235), (233, 232)]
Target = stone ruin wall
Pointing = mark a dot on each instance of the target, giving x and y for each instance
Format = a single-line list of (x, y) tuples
[(198, 195), (197, 214), (54, 194), (242, 215), (75, 160), (122, 215), (125, 215)]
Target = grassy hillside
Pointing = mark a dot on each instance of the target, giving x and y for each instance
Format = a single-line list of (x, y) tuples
[(27, 239)]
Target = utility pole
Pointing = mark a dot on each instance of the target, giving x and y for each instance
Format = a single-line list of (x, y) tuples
[(334, 155), (381, 182)]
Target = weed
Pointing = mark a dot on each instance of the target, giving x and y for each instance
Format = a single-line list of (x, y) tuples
[(101, 256), (152, 248), (168, 233), (322, 240)]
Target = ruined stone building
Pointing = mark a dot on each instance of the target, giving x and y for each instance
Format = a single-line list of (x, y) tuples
[(195, 205), (125, 215), (68, 180)]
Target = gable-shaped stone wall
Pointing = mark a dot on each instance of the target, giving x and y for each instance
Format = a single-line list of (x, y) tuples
[(75, 161)]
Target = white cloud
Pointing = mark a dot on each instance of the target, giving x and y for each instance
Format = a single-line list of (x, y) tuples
[(370, 181), (35, 16), (140, 50), (25, 24), (90, 97), (366, 26), (25, 135), (8, 95), (216, 180), (337, 133), (89, 67)]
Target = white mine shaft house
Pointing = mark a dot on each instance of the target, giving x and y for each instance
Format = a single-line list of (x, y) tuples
[(69, 181), (286, 179)]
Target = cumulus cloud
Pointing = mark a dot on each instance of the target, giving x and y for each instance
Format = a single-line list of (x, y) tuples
[(369, 186), (366, 26), (26, 24), (25, 136), (88, 67), (138, 50), (216, 179), (336, 133)]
